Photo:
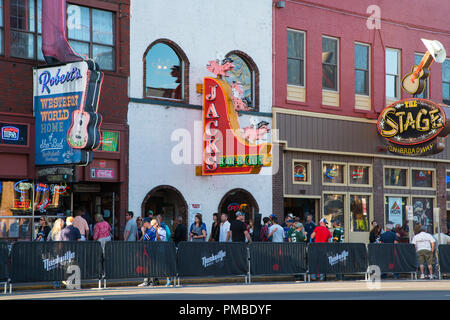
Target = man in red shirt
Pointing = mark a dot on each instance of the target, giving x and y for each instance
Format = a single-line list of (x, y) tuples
[(321, 234)]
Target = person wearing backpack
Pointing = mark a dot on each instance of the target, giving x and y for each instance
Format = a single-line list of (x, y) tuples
[(166, 228), (264, 232)]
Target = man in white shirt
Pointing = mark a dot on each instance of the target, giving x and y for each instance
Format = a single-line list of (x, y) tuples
[(276, 231), (425, 244), (442, 238), (224, 227)]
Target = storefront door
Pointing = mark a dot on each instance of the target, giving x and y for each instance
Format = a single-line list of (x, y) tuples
[(301, 207)]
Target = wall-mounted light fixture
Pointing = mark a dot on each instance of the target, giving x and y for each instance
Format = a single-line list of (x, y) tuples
[(280, 4)]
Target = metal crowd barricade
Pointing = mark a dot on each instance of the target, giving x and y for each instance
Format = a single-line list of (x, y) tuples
[(4, 265), (444, 259), (271, 258), (212, 259), (144, 259), (50, 261), (337, 258), (394, 258)]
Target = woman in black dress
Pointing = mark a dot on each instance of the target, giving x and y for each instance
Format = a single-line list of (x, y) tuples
[(215, 229)]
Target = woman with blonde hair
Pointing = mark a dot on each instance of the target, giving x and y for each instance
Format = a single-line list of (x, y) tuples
[(44, 229), (102, 230), (55, 234)]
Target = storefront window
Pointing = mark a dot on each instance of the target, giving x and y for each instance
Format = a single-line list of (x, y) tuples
[(359, 175), (18, 207), (333, 173), (447, 180), (301, 172), (395, 208), (359, 213), (334, 207), (242, 75), (395, 177), (423, 213), (422, 178)]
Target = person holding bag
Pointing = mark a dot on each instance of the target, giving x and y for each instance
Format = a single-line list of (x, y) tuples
[(197, 231)]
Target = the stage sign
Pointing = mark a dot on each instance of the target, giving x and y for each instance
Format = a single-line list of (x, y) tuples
[(414, 127)]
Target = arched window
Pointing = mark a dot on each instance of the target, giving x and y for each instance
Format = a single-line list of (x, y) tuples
[(246, 73), (165, 71)]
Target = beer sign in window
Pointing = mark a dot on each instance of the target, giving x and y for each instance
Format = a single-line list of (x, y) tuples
[(333, 173), (301, 172), (359, 175), (422, 178)]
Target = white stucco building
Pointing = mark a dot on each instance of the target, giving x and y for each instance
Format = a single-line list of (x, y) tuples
[(165, 119)]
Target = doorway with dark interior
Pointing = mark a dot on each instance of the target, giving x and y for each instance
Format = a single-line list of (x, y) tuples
[(301, 207), (239, 200), (168, 202)]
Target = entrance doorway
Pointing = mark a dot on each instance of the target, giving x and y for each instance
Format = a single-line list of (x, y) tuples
[(168, 202), (239, 200), (301, 207)]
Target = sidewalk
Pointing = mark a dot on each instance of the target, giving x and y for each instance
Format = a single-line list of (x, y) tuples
[(134, 282)]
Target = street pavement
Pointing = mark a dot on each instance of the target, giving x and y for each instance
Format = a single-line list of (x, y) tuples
[(331, 290)]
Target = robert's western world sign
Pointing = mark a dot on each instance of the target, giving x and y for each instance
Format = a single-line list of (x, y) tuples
[(65, 106), (414, 127)]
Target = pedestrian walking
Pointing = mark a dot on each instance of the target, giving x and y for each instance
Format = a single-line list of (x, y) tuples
[(215, 229), (161, 223), (297, 234), (55, 233), (197, 232), (180, 233), (374, 235), (338, 232), (81, 224), (276, 231), (238, 229), (309, 227), (70, 233), (425, 245), (224, 227), (102, 230), (321, 234), (139, 228), (149, 234), (44, 229), (338, 237), (264, 232), (130, 232), (388, 236)]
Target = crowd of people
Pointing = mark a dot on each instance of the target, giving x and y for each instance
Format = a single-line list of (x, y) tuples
[(153, 228)]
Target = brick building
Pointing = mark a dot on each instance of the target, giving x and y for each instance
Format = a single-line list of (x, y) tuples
[(95, 28), (335, 70)]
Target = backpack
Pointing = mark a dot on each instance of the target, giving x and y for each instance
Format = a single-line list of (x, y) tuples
[(168, 234), (263, 233)]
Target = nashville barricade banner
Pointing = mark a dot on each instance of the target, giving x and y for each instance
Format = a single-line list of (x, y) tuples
[(268, 258), (4, 274), (337, 258), (395, 258), (212, 259), (145, 259), (444, 258), (49, 261)]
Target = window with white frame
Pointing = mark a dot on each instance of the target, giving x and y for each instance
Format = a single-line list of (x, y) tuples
[(392, 73), (295, 58), (362, 71), (424, 95), (330, 63)]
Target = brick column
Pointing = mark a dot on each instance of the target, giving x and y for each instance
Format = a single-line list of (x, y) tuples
[(441, 192), (277, 182), (378, 191)]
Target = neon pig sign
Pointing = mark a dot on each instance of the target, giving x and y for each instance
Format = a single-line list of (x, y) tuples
[(225, 150)]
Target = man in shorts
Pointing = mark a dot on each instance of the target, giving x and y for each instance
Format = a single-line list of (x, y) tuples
[(425, 244)]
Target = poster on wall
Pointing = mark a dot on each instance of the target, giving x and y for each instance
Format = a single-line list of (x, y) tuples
[(395, 211), (423, 213)]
